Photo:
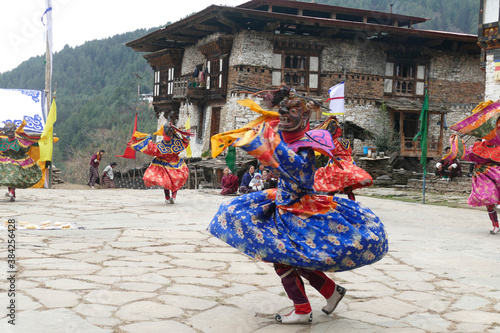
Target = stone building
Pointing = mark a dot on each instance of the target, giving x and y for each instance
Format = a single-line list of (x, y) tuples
[(489, 41), (382, 58)]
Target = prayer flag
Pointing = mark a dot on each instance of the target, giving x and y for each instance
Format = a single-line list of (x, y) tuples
[(231, 159), (188, 148), (336, 99), (129, 152), (422, 134), (497, 70), (46, 141)]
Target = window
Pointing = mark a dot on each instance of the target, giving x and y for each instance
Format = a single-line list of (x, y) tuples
[(217, 55), (156, 90), (404, 79), (217, 74), (298, 70), (490, 12), (164, 82)]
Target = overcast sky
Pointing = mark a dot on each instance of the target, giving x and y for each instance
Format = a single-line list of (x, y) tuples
[(78, 21)]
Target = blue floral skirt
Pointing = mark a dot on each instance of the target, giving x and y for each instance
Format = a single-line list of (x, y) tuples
[(318, 232)]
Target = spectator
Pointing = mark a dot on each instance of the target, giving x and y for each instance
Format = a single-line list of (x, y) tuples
[(272, 179), (261, 168), (265, 172), (256, 183), (229, 182), (448, 169), (108, 177), (94, 168), (245, 182)]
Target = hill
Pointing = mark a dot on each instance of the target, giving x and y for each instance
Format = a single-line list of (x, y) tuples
[(97, 87)]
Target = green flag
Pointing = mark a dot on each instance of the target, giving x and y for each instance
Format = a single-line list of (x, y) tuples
[(231, 159), (422, 134)]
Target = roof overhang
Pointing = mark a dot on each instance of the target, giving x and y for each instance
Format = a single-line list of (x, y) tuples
[(403, 104), (252, 16)]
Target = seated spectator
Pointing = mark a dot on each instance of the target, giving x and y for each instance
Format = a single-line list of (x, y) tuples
[(447, 169), (229, 182), (272, 179), (108, 177), (245, 181), (261, 168), (265, 172), (256, 183)]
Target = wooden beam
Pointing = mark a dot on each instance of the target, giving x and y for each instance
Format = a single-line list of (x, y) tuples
[(272, 26), (230, 23), (329, 32), (434, 42), (205, 27), (196, 33), (179, 38)]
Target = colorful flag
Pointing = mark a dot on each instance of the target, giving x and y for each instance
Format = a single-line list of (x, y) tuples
[(497, 70), (482, 123), (188, 148), (336, 100), (46, 141), (129, 152), (422, 134)]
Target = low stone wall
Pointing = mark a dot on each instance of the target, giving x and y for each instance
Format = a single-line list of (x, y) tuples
[(433, 184)]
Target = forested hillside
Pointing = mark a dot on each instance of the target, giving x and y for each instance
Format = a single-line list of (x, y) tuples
[(96, 88), (97, 83), (446, 15)]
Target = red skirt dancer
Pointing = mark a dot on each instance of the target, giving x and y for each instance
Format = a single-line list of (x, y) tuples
[(167, 169), (341, 175)]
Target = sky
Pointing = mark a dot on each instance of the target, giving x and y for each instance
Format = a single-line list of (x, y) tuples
[(76, 21)]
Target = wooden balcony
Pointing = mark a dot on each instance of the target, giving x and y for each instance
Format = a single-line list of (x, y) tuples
[(185, 88)]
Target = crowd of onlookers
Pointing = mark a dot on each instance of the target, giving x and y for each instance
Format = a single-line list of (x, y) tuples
[(253, 180)]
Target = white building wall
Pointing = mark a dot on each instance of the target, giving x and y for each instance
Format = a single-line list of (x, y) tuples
[(492, 90)]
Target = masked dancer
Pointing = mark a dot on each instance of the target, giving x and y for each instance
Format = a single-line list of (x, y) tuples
[(302, 233)]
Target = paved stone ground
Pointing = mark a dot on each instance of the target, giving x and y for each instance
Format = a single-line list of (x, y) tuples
[(144, 266)]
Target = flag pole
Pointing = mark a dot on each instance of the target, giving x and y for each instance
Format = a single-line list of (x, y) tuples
[(48, 68), (426, 99), (343, 114)]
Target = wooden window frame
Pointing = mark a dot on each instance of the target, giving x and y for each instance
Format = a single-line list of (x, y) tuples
[(406, 78), (216, 80), (300, 69)]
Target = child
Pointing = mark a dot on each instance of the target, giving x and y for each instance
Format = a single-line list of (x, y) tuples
[(264, 179), (256, 183)]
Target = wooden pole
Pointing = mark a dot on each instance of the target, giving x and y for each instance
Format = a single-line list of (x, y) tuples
[(48, 70)]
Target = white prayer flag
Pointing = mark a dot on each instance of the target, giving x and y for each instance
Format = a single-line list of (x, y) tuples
[(21, 104), (336, 100)]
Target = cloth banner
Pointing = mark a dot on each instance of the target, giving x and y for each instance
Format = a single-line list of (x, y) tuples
[(231, 159), (336, 99), (188, 148), (422, 134), (46, 142), (129, 152), (20, 104)]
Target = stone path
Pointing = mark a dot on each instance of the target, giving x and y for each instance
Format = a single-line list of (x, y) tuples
[(144, 266)]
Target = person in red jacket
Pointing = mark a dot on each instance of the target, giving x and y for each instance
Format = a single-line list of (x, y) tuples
[(229, 182), (94, 168)]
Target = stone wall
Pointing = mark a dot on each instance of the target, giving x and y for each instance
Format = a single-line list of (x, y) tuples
[(455, 80)]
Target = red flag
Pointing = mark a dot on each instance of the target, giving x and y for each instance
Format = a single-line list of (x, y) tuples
[(129, 152)]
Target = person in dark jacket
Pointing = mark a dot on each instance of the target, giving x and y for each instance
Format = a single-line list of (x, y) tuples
[(245, 182)]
